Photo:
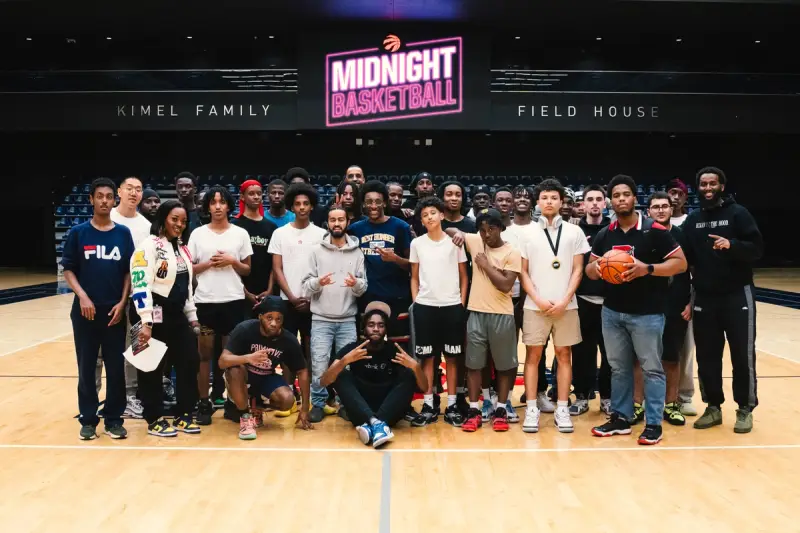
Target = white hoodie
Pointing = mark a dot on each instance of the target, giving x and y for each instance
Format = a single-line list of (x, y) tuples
[(335, 302)]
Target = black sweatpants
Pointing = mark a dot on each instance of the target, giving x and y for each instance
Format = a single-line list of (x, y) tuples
[(182, 355), (716, 317), (90, 336), (584, 354), (363, 401)]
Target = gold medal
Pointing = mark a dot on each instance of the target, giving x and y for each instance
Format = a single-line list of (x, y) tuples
[(556, 264)]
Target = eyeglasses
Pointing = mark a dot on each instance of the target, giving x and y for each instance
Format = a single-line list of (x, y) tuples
[(132, 190), (375, 203), (660, 207)]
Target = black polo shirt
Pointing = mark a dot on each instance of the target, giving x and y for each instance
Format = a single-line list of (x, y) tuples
[(650, 243)]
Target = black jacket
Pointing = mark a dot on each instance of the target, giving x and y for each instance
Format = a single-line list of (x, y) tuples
[(590, 287), (722, 271)]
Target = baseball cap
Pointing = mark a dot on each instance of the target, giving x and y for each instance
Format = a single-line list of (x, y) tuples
[(420, 176), (480, 189), (490, 215), (378, 306)]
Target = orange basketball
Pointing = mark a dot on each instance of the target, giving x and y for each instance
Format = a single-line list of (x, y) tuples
[(612, 265), (391, 43)]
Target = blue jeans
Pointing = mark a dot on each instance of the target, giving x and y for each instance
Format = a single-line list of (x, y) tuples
[(627, 336), (326, 335)]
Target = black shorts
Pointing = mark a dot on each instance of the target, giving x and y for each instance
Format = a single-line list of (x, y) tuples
[(673, 338), (438, 330), (296, 322), (399, 328), (221, 318)]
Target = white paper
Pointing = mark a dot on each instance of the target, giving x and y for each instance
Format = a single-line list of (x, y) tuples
[(148, 359)]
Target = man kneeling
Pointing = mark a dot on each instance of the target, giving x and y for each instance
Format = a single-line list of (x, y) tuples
[(375, 381), (255, 348)]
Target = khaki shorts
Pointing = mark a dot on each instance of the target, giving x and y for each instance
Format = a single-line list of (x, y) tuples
[(536, 328)]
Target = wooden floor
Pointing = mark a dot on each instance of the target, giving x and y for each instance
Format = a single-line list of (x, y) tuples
[(432, 479)]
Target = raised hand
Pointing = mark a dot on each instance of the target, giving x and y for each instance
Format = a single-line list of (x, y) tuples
[(358, 353), (402, 358), (326, 279), (350, 280)]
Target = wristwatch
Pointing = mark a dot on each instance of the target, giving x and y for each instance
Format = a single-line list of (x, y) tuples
[(650, 269)]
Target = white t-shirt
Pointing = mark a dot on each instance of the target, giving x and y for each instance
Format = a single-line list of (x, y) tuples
[(677, 221), (552, 283), (516, 236), (219, 285), (139, 225), (438, 270), (295, 247)]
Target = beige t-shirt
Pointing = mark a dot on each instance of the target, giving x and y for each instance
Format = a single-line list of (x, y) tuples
[(484, 296)]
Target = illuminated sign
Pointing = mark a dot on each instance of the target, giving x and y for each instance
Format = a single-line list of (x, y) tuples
[(418, 79)]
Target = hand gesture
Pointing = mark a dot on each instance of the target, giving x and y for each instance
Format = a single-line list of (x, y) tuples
[(326, 279), (458, 238), (637, 269), (350, 280), (144, 334), (402, 358), (302, 421), (116, 313), (481, 260), (407, 213), (557, 308), (358, 353), (686, 314), (543, 305), (260, 359), (221, 259), (87, 307), (388, 255), (720, 243)]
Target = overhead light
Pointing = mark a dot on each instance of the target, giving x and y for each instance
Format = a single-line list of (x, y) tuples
[(188, 36), (108, 38), (517, 37), (28, 39), (678, 40), (758, 42), (271, 36), (255, 37), (598, 38)]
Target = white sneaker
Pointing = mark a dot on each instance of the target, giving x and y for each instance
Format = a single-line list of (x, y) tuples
[(688, 409), (531, 424), (579, 407), (563, 421), (133, 409), (544, 403), (513, 417), (605, 406)]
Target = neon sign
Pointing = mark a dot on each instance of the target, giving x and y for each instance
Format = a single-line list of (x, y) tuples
[(423, 80)]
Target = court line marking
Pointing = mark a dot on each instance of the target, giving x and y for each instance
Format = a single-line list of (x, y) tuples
[(397, 451), (35, 344), (385, 521), (785, 358)]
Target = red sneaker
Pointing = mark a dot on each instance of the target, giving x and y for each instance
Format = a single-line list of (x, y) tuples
[(500, 419), (473, 421)]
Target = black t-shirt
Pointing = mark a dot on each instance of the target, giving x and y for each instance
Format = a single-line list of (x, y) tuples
[(247, 338), (680, 291), (650, 243), (378, 371), (260, 232), (465, 225)]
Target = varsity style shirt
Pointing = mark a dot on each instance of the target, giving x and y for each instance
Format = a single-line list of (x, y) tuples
[(650, 243), (384, 279)]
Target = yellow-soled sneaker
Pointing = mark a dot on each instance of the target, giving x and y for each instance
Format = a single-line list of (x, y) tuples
[(288, 412)]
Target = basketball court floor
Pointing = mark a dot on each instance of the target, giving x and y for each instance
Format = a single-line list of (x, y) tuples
[(429, 479)]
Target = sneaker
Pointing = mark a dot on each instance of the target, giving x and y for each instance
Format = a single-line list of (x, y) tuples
[(531, 423), (462, 404), (218, 403), (161, 428), (204, 412), (673, 415), (247, 427), (134, 408), (430, 414), (410, 416), (651, 435), (288, 412), (688, 409), (563, 421), (329, 410), (513, 416), (638, 413), (452, 415), (487, 410), (545, 404), (616, 425), (364, 432), (580, 406), (257, 413), (88, 432), (381, 434), (415, 419), (186, 424), (605, 406), (230, 412), (711, 417), (116, 431), (473, 422), (500, 419), (316, 415), (744, 421)]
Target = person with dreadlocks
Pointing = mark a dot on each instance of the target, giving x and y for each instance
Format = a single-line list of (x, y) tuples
[(251, 219)]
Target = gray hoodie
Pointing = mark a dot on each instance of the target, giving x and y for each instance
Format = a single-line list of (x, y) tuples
[(335, 302)]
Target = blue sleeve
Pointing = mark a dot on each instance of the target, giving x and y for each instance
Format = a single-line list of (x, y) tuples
[(405, 242), (128, 247), (70, 258)]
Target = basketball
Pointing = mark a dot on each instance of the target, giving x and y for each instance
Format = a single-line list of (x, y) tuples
[(612, 265), (391, 43)]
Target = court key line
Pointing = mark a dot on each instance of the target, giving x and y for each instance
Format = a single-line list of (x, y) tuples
[(35, 344), (395, 451)]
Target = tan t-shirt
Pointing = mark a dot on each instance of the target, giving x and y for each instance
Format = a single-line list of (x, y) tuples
[(484, 296)]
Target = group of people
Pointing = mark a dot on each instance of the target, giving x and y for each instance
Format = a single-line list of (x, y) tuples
[(350, 307)]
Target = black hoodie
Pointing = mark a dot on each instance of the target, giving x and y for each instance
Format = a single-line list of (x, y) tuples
[(722, 271), (590, 287)]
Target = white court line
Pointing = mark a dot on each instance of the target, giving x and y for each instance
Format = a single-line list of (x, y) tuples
[(785, 358), (397, 451), (45, 341)]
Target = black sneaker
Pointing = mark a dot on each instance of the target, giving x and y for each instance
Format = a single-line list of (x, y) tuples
[(437, 403), (453, 416), (616, 425), (463, 404), (651, 435), (230, 412), (430, 414), (411, 414), (414, 418), (88, 432), (116, 431), (204, 412)]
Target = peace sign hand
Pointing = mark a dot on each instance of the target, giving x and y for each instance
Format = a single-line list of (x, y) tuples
[(358, 353)]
